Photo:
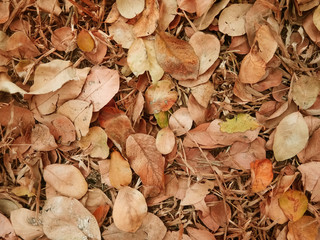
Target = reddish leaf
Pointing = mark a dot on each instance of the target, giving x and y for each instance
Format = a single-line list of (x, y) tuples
[(261, 173)]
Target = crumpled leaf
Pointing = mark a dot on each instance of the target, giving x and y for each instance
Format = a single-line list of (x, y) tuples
[(120, 174), (100, 87), (232, 19), (95, 143), (176, 57), (305, 228), (207, 48), (305, 90), (294, 204), (26, 223), (160, 96), (261, 174), (291, 136), (49, 77), (80, 113), (146, 160), (66, 179), (165, 140), (67, 218), (240, 123), (129, 209), (128, 9)]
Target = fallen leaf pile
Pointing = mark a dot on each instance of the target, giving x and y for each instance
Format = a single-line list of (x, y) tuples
[(159, 119)]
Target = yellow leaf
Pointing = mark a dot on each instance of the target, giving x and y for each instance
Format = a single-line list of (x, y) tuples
[(240, 123), (162, 119), (23, 191), (294, 204), (120, 173), (85, 41)]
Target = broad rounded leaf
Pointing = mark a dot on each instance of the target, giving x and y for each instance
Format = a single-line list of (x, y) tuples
[(66, 179), (66, 218), (261, 174), (119, 173), (129, 209), (129, 8), (294, 204), (305, 228), (165, 141), (291, 136), (180, 121), (240, 123), (137, 57), (252, 68)]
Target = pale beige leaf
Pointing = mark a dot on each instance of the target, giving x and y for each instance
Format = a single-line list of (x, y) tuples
[(42, 139), (66, 218), (122, 33), (113, 14), (266, 43), (66, 179), (197, 234), (232, 19), (64, 39), (95, 143), (26, 223), (49, 77), (130, 9), (100, 87), (120, 174), (176, 235), (180, 121), (203, 93), (146, 160), (6, 231), (197, 192), (137, 57), (291, 136), (156, 72), (310, 174), (165, 141), (129, 210), (148, 22), (305, 90), (168, 11), (95, 198), (207, 48), (176, 57), (111, 232), (6, 85), (80, 113), (316, 17)]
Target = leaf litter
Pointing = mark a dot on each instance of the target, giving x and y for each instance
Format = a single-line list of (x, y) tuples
[(170, 119)]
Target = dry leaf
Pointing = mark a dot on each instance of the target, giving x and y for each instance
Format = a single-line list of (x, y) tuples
[(291, 136), (6, 231), (26, 223), (122, 33), (96, 56), (67, 218), (100, 87), (305, 228), (252, 68), (160, 96), (80, 113), (49, 77), (162, 119), (180, 121), (146, 160), (203, 93), (316, 17), (85, 41), (207, 48), (232, 19), (138, 107), (305, 90), (129, 10), (95, 143), (165, 140), (49, 6), (120, 174), (66, 179), (310, 177), (148, 21), (137, 57), (271, 209), (4, 11), (176, 57), (6, 85), (64, 39), (129, 209), (311, 29), (294, 204), (42, 139), (197, 192), (156, 72), (167, 12), (19, 45), (174, 235), (261, 174), (266, 43), (196, 234), (95, 198), (240, 123), (197, 112)]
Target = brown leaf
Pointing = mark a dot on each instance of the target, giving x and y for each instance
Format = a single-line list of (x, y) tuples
[(176, 57), (66, 179), (120, 174), (232, 19), (203, 93), (67, 218), (202, 234), (26, 223), (167, 12), (137, 57), (311, 178), (49, 6), (146, 160), (197, 192), (291, 136), (180, 121), (96, 56), (4, 11), (252, 68), (305, 228), (271, 209), (148, 21), (6, 231), (160, 96), (129, 209), (196, 111), (42, 139), (311, 29), (64, 39), (165, 140), (100, 87), (19, 45), (122, 33)]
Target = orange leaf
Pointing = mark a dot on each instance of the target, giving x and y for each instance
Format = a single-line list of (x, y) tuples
[(261, 173), (294, 204), (120, 173), (176, 57), (100, 213), (85, 41)]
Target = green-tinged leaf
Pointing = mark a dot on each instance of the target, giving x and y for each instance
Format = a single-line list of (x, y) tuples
[(240, 123), (162, 119)]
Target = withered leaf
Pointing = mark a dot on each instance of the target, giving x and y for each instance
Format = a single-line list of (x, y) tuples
[(120, 173)]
